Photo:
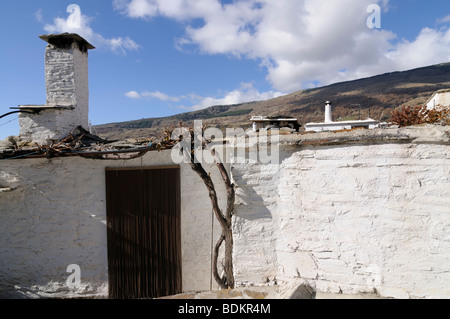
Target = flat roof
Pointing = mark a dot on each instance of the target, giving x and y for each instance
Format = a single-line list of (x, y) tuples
[(271, 119), (368, 121)]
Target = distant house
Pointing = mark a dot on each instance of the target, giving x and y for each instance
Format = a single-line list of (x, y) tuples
[(330, 125), (274, 122), (439, 98)]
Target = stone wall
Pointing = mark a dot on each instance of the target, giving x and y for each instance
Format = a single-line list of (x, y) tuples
[(67, 82), (355, 212)]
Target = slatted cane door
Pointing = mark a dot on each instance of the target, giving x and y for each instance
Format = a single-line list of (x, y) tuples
[(144, 244)]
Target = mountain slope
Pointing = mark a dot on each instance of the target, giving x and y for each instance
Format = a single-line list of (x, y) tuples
[(375, 96)]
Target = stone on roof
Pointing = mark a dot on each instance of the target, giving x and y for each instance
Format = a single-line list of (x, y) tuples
[(65, 40)]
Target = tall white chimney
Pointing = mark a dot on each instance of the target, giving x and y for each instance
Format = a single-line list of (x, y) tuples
[(67, 91), (328, 117)]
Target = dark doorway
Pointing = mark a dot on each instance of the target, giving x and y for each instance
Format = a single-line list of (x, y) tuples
[(143, 222)]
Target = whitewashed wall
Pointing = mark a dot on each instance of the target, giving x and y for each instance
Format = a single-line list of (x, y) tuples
[(56, 216), (439, 99), (353, 213), (358, 217)]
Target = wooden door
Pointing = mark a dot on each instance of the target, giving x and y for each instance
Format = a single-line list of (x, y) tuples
[(143, 232)]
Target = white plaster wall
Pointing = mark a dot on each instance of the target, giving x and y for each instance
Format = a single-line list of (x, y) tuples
[(348, 218), (199, 229), (56, 216), (81, 88), (255, 226), (440, 99), (47, 126)]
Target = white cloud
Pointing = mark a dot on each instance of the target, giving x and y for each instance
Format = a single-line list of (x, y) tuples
[(444, 19), (118, 45), (38, 15), (430, 47), (160, 96), (157, 95), (299, 42), (245, 93), (136, 8), (133, 95)]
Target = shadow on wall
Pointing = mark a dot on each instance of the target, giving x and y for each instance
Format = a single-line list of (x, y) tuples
[(257, 188), (250, 204)]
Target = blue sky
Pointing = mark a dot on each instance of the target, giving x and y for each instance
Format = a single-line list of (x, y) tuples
[(156, 58)]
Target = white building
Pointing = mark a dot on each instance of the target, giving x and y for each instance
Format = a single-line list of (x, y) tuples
[(339, 212), (276, 122), (330, 125), (57, 212), (439, 98)]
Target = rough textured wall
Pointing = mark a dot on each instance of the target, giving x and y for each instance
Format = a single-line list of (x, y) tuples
[(60, 81), (56, 216), (350, 213), (48, 125)]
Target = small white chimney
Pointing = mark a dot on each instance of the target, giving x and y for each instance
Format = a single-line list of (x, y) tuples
[(328, 117), (67, 91)]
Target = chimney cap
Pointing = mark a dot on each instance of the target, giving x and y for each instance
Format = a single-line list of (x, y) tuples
[(65, 40)]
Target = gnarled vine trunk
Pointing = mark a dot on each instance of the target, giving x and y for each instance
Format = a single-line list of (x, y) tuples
[(225, 220), (178, 134)]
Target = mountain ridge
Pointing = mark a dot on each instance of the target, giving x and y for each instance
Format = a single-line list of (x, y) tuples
[(373, 97)]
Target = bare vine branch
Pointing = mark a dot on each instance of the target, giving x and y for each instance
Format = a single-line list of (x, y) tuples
[(225, 220)]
